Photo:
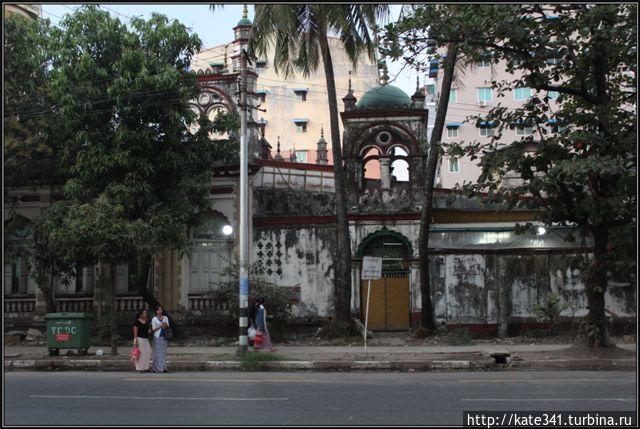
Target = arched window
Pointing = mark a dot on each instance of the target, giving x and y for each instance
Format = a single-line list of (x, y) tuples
[(399, 165), (371, 165)]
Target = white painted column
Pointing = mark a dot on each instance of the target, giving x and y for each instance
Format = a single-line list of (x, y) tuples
[(385, 176)]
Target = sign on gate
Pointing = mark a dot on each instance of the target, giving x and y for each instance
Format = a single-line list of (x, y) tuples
[(371, 268)]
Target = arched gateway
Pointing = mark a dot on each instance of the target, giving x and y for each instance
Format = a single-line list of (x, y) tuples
[(389, 307)]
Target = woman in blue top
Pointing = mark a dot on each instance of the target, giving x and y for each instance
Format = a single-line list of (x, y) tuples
[(261, 328)]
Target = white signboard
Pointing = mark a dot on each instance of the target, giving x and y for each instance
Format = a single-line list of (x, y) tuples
[(371, 268)]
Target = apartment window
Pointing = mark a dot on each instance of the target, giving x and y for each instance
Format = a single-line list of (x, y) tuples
[(517, 63), (485, 94), (301, 156), (483, 64), (301, 94), (262, 95), (553, 95), (522, 94), (555, 128), (301, 124), (454, 166), (452, 132), (486, 131), (453, 96), (553, 60), (521, 130)]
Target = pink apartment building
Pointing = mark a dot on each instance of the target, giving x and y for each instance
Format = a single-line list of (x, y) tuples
[(472, 95)]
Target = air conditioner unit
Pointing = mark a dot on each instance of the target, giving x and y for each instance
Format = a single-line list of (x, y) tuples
[(482, 103)]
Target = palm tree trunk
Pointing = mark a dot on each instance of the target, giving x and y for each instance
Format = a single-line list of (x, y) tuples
[(427, 319), (342, 279)]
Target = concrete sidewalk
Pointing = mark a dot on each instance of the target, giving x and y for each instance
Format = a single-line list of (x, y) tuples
[(331, 358)]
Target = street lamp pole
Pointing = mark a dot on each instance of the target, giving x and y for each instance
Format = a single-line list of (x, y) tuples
[(244, 210)]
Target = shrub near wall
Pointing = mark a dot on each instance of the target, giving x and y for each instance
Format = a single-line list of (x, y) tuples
[(277, 297)]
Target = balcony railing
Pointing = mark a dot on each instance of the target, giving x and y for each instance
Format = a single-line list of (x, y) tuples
[(72, 304), (203, 302), (19, 305)]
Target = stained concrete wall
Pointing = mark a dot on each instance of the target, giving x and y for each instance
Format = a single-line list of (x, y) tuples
[(467, 286)]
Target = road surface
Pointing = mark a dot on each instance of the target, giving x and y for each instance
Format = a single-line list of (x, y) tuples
[(270, 398)]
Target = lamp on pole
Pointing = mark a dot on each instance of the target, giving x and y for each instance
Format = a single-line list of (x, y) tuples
[(244, 211)]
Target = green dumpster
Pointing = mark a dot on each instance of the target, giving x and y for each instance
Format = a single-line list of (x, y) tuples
[(68, 331)]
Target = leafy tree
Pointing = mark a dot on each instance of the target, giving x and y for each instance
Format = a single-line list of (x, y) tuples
[(583, 175), (300, 36), (123, 99), (30, 147)]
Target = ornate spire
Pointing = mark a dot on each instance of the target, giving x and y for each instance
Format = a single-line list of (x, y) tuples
[(225, 57), (321, 151), (384, 80), (349, 100), (245, 12), (292, 153), (278, 156), (417, 83)]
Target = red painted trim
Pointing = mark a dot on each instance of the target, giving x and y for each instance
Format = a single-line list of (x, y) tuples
[(233, 170), (217, 76), (29, 198), (381, 114), (294, 220), (297, 165), (216, 190), (303, 220)]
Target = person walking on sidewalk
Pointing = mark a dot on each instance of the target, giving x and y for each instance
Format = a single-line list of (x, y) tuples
[(263, 339), (158, 326), (251, 330), (141, 331)]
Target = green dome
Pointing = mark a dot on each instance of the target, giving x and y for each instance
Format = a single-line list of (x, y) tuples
[(244, 21), (384, 96)]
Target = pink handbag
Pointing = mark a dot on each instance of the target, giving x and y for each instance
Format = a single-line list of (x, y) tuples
[(135, 353)]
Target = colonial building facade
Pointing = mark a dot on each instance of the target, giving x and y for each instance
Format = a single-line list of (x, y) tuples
[(485, 276)]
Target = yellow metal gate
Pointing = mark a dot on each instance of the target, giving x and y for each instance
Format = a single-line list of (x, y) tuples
[(389, 303)]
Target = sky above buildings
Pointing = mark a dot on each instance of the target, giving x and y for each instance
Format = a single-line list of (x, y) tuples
[(213, 28)]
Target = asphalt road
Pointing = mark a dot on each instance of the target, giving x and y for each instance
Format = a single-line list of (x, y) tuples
[(269, 398)]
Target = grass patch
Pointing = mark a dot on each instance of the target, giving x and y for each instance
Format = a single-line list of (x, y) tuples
[(222, 357), (257, 361), (263, 357), (460, 337)]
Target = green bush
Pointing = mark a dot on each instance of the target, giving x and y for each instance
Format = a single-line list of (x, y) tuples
[(550, 311), (460, 337), (278, 303)]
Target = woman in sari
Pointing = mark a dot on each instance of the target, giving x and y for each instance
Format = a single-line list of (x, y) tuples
[(141, 330), (158, 326), (263, 339)]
